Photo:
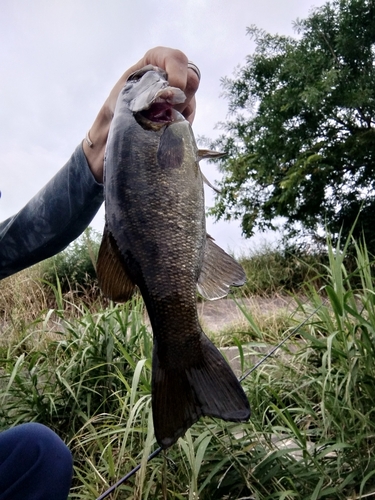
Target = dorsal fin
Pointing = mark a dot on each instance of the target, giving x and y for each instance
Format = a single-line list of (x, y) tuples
[(206, 181), (207, 154)]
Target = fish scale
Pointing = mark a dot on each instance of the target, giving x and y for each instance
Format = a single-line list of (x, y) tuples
[(155, 238)]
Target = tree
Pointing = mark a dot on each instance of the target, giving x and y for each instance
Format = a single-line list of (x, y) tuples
[(301, 143)]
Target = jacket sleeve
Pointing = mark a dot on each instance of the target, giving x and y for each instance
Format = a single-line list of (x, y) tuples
[(53, 218)]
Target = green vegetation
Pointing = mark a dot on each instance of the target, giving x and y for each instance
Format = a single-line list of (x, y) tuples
[(312, 431), (286, 269), (300, 140), (74, 269)]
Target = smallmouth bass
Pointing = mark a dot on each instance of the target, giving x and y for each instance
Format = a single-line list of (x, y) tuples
[(155, 238)]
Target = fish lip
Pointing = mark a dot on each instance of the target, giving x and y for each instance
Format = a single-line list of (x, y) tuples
[(159, 112), (150, 97), (160, 109)]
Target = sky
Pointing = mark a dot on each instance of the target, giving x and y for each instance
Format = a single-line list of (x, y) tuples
[(59, 60)]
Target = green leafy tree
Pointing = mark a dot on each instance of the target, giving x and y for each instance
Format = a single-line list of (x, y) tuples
[(301, 139)]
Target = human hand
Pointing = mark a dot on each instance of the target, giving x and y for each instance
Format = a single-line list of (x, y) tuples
[(180, 75)]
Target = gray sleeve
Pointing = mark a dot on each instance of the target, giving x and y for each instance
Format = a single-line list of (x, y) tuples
[(53, 218)]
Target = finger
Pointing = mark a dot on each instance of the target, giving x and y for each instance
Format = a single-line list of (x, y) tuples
[(176, 66), (175, 63), (180, 75), (157, 56), (188, 107), (189, 111)]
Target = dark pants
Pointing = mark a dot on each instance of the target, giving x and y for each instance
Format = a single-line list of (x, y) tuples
[(35, 464)]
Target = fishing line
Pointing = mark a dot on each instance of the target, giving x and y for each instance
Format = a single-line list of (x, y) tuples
[(272, 351), (261, 361)]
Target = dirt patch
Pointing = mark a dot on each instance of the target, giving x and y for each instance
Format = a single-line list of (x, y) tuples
[(220, 314), (217, 316)]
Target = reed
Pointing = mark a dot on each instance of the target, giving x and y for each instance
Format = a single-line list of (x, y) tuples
[(312, 430)]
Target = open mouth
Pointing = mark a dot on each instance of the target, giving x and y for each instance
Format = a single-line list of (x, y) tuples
[(160, 112)]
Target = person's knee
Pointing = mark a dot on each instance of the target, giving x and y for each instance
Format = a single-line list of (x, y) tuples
[(43, 437), (49, 444), (34, 456), (40, 442)]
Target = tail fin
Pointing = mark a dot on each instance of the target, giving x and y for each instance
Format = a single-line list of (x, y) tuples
[(181, 395)]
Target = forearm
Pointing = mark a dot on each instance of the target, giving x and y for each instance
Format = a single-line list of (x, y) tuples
[(56, 215)]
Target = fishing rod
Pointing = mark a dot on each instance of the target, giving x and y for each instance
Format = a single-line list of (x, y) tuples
[(272, 351), (128, 475), (241, 379)]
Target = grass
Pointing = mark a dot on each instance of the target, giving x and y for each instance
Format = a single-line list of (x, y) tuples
[(271, 270), (312, 431), (22, 298), (261, 321)]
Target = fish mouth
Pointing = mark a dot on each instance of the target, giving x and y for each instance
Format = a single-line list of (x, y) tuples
[(151, 99), (161, 111)]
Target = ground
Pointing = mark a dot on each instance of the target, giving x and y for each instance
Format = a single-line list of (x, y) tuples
[(218, 315)]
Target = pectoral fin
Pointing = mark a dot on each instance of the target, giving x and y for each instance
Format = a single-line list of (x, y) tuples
[(219, 272), (113, 279)]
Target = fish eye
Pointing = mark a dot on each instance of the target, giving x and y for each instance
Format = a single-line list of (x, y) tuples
[(137, 75)]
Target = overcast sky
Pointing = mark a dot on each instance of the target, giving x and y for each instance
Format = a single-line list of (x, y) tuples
[(60, 58)]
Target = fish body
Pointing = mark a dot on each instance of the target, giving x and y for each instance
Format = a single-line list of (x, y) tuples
[(155, 238)]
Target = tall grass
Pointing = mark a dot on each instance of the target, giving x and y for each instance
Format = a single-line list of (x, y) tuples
[(22, 298), (75, 267), (285, 269), (312, 430)]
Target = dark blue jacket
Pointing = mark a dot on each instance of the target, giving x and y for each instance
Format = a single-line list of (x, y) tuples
[(53, 218)]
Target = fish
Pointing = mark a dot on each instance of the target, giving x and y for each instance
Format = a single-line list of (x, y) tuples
[(155, 239)]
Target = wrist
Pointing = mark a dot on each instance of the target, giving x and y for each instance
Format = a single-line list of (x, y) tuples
[(97, 135)]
